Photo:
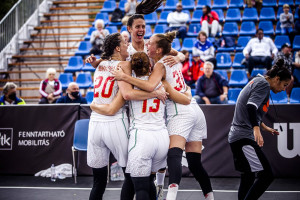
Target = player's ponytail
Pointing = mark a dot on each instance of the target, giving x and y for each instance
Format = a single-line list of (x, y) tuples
[(279, 69), (147, 6), (140, 63)]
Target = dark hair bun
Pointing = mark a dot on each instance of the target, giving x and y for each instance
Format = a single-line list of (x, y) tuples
[(140, 63)]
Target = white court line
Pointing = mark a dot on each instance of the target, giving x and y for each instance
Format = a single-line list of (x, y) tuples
[(117, 189)]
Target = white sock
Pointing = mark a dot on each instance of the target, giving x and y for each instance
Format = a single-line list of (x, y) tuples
[(172, 191), (160, 178), (209, 196)]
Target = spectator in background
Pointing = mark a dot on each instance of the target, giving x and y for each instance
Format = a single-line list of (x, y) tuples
[(126, 36), (177, 21), (73, 95), (197, 68), (204, 49), (186, 68), (286, 55), (210, 21), (129, 10), (211, 88), (260, 51), (97, 37), (50, 88), (255, 3), (286, 20), (10, 95)]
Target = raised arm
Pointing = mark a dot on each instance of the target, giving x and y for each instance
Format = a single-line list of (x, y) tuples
[(147, 85), (178, 97), (93, 61), (109, 109), (129, 93)]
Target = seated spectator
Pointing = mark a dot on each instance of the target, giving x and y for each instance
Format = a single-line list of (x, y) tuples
[(177, 21), (210, 22), (129, 10), (260, 51), (50, 88), (73, 95), (204, 48), (286, 20), (286, 55), (126, 36), (97, 37), (10, 95), (186, 68), (211, 88), (197, 68)]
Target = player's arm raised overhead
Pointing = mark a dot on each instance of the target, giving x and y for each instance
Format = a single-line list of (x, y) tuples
[(147, 85), (129, 93), (178, 97)]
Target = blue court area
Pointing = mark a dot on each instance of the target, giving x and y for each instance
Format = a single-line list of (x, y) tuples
[(38, 188)]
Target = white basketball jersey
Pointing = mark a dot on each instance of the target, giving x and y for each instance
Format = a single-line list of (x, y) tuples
[(105, 89), (175, 79), (147, 114), (131, 50)]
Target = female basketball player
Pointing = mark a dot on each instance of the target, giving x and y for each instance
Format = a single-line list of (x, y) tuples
[(186, 123), (245, 137)]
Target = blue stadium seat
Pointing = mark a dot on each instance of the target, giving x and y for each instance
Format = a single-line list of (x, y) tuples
[(176, 44), (211, 39), (84, 48), (278, 28), (295, 95), (202, 3), (296, 42), (193, 91), (122, 5), (226, 63), (170, 5), (242, 43), (267, 13), (188, 44), (75, 64), (115, 23), (279, 11), (238, 78), (163, 17), (84, 80), (148, 32), (108, 6), (194, 30), (230, 28), (220, 14), (233, 14), (296, 16), (248, 28), (226, 49), (280, 40), (236, 4), (89, 97), (267, 26), (123, 28), (220, 4), (160, 8), (151, 18), (103, 16), (222, 72), (237, 61), (88, 68), (258, 71), (269, 3), (197, 16), (233, 94), (250, 14), (65, 79), (160, 28), (112, 29), (296, 75), (280, 97), (188, 4), (89, 33), (282, 2)]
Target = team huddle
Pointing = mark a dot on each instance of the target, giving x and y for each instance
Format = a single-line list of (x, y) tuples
[(164, 120)]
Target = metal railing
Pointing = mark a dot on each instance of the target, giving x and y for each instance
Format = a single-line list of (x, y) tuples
[(15, 19)]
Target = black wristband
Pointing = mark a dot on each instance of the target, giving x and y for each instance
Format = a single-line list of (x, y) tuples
[(252, 114)]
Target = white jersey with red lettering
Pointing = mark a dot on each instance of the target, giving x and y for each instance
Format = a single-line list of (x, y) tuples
[(131, 50), (187, 121), (147, 114), (105, 89)]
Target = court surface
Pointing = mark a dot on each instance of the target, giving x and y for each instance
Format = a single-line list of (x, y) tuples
[(32, 188)]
